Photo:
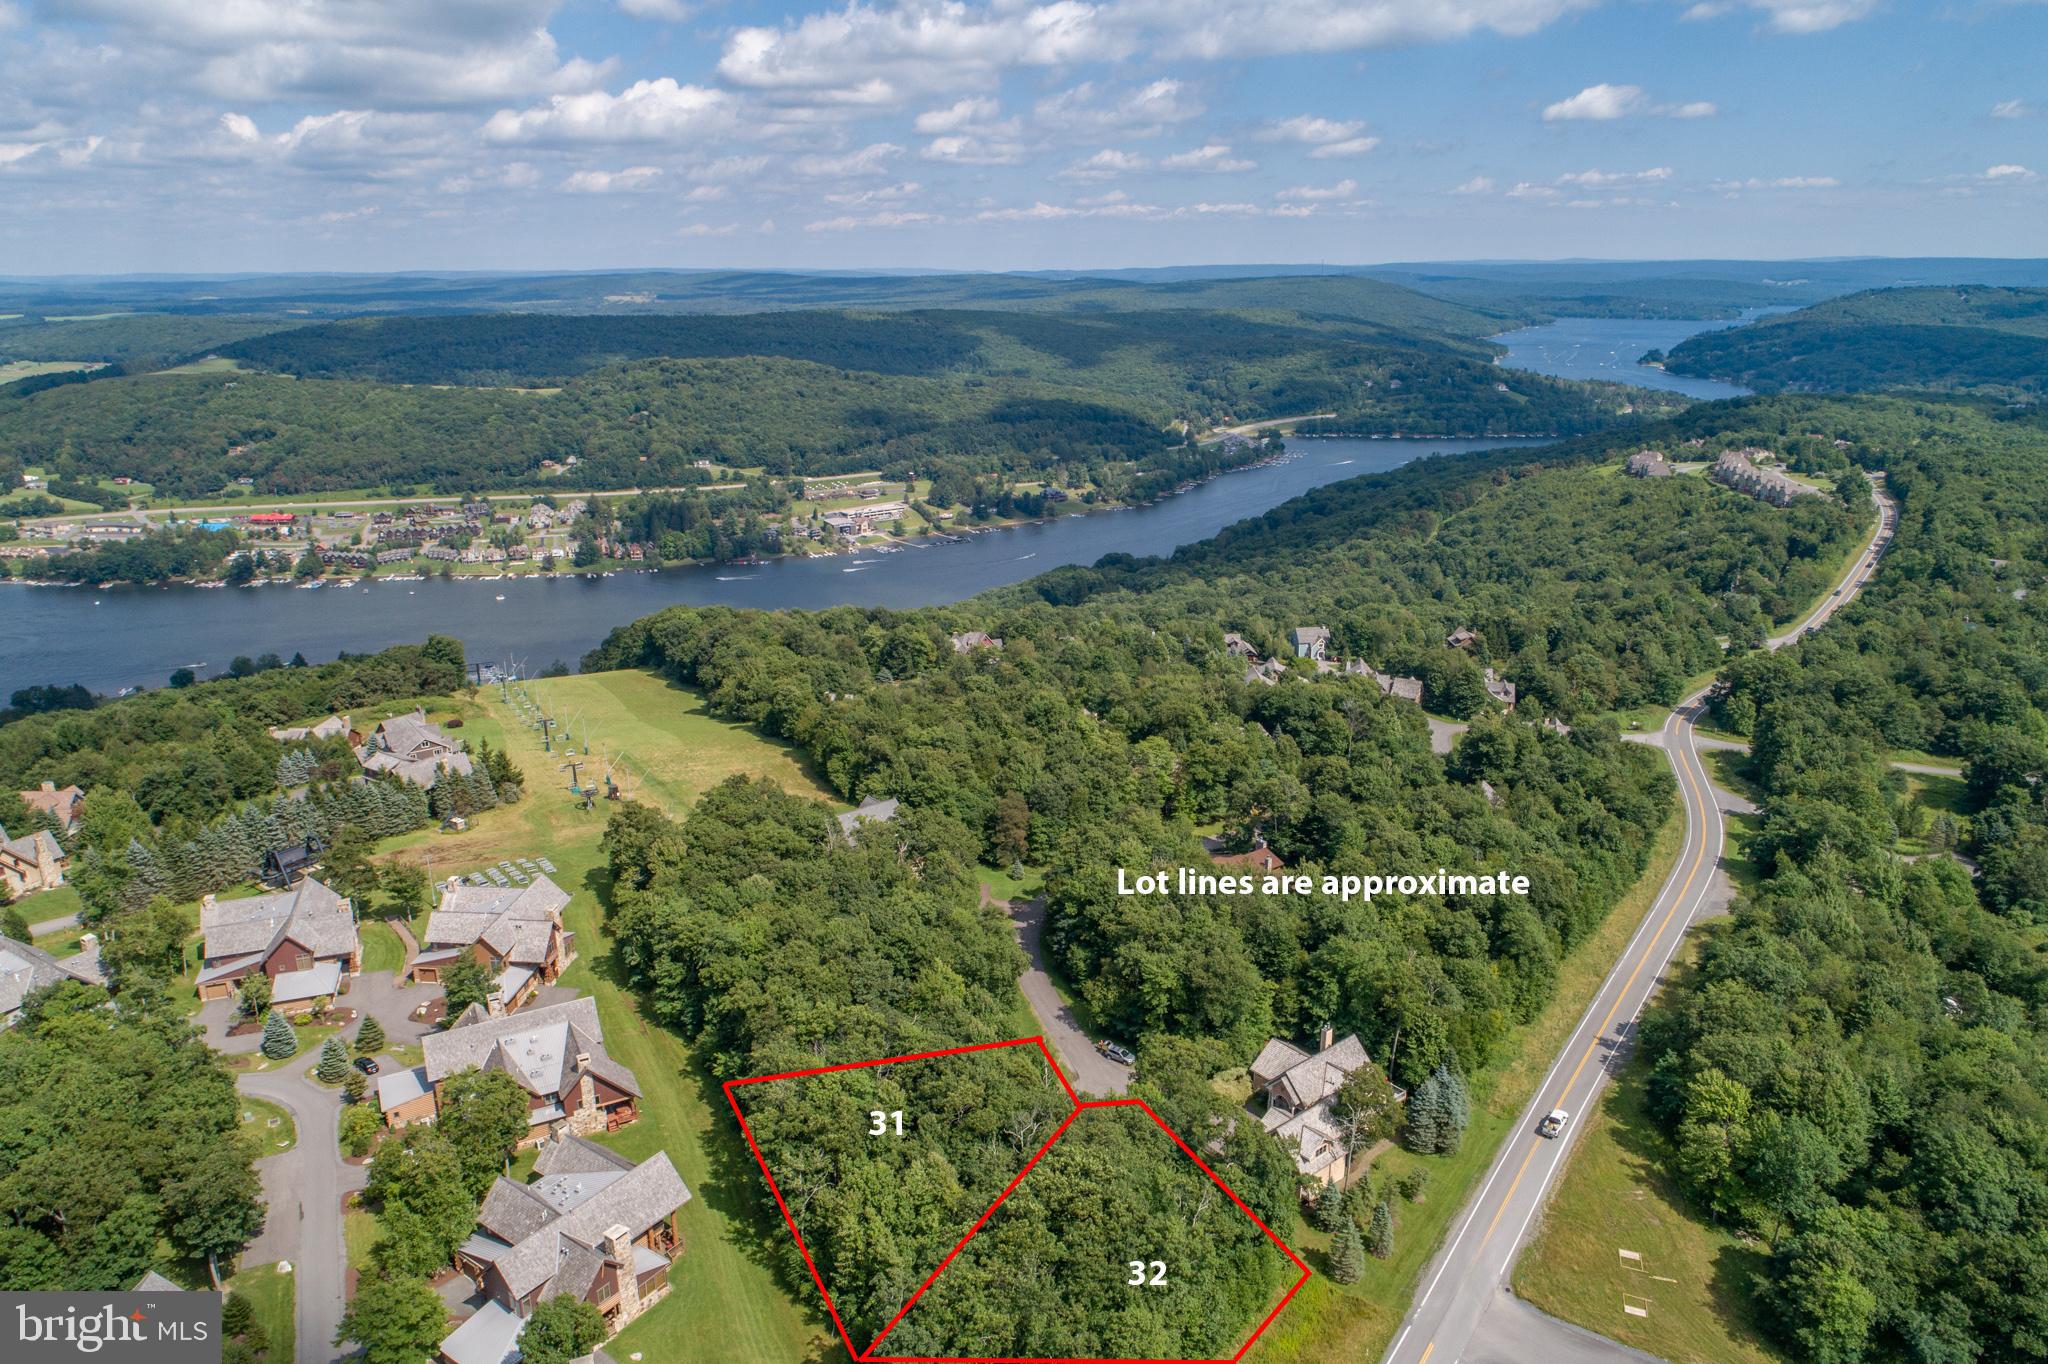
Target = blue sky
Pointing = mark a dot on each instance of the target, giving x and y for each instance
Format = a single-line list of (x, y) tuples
[(208, 135)]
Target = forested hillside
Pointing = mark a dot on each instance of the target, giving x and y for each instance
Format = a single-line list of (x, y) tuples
[(966, 393), (1857, 1073), (1971, 339)]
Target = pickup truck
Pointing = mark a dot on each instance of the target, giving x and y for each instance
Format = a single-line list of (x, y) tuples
[(1553, 1123)]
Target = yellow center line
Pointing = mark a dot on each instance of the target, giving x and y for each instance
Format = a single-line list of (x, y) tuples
[(1426, 1350), (1649, 949)]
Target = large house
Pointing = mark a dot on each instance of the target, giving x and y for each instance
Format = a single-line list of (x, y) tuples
[(31, 863), (515, 931), (555, 1053), (869, 811), (25, 968), (1299, 1088), (304, 939), (592, 1225), (1309, 641), (332, 727), (60, 804), (1739, 470), (416, 750)]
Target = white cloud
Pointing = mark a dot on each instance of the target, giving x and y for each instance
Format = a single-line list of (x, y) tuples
[(1790, 16), (1316, 132), (645, 111), (1106, 164), (707, 194), (1232, 29), (667, 11), (707, 230), (511, 175), (1605, 103), (886, 218), (612, 182), (1478, 184), (974, 151), (879, 194), (1781, 182), (958, 116), (1600, 179), (1343, 189), (2010, 174), (1215, 158), (882, 53), (730, 168), (1090, 111), (2010, 108), (872, 159), (1350, 146), (1525, 190)]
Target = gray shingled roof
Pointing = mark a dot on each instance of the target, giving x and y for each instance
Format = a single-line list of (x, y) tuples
[(869, 811), (509, 919), (571, 1154), (640, 1197), (309, 914), (26, 968)]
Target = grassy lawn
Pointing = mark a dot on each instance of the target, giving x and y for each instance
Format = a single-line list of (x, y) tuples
[(28, 369), (1724, 768), (46, 905), (1933, 796), (382, 951), (725, 1290), (358, 1234), (1614, 1196), (269, 1125), (1003, 886), (1328, 1321), (275, 1298)]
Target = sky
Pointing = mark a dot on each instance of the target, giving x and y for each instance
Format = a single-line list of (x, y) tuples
[(258, 135)]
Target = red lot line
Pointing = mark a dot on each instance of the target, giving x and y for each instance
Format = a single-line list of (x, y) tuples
[(868, 1356)]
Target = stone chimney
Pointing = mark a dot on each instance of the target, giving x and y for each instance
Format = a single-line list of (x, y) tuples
[(587, 1118), (618, 1245), (1326, 1038)]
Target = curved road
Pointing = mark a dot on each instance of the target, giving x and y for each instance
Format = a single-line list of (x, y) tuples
[(1465, 1312)]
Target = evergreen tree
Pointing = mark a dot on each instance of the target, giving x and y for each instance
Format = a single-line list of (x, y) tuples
[(466, 981), (1347, 1253), (1425, 1125), (333, 1067), (1327, 1208), (1380, 1238), (354, 1085), (280, 1043), (370, 1037)]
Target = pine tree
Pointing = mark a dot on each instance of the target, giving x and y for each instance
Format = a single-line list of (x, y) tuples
[(1425, 1128), (354, 1085), (279, 1041), (1347, 1253), (1380, 1239), (370, 1037), (333, 1067), (1457, 1108), (1327, 1209)]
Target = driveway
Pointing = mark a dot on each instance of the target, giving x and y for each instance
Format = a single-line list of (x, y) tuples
[(304, 1187), (1512, 1332), (1089, 1071)]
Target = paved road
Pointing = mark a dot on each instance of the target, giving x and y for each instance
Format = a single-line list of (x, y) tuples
[(1088, 1070), (305, 1187), (1464, 1312)]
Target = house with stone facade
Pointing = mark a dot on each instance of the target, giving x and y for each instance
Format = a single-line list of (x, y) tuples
[(514, 931), (591, 1224), (413, 748), (303, 938), (33, 862), (555, 1053), (1738, 469), (1299, 1088)]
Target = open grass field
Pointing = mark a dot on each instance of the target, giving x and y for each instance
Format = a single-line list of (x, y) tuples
[(1932, 796), (667, 748), (382, 951), (275, 1298), (11, 370), (1615, 1195), (727, 1302), (258, 1115), (1329, 1321)]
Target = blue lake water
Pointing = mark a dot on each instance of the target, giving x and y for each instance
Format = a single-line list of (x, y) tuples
[(127, 636)]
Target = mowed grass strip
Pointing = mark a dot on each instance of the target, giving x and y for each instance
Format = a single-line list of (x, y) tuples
[(1329, 1321), (727, 1303), (1615, 1196)]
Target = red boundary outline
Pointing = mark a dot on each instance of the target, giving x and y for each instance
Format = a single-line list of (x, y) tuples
[(868, 1356)]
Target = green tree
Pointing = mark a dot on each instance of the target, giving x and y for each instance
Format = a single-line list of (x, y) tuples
[(426, 1208), (354, 1085), (561, 1328), (346, 864), (370, 1037), (333, 1061), (13, 923), (396, 1319), (1365, 1108), (466, 981), (1347, 1253), (1790, 1164), (280, 1042), (359, 1127), (1379, 1238), (237, 1315), (483, 1114), (253, 997), (215, 1207), (407, 890)]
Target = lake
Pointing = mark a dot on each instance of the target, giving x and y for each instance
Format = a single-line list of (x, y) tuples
[(1608, 348), (132, 636), (136, 636)]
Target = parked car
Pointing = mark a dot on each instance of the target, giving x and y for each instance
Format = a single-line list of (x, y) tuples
[(367, 1065), (1118, 1053), (1553, 1123)]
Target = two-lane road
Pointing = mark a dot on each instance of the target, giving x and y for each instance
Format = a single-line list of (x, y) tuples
[(1464, 1312)]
